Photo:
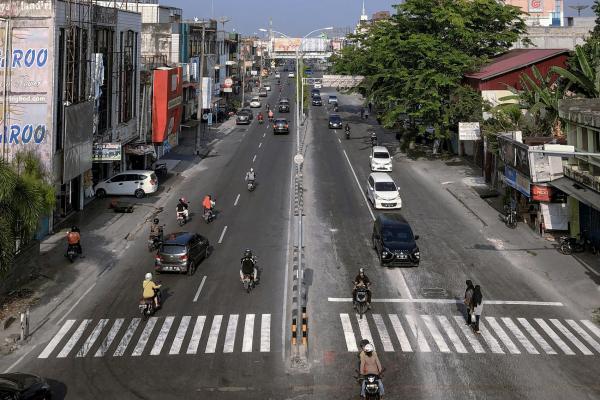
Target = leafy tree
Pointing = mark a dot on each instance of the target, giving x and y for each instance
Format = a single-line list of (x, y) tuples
[(584, 73), (25, 196), (414, 62)]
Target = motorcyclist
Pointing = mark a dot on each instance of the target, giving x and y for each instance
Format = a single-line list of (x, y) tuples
[(156, 230), (347, 129), (271, 115), (149, 289), (251, 176), (208, 203), (362, 280), (74, 240), (370, 365), (248, 265), (182, 207), (373, 138), (260, 116)]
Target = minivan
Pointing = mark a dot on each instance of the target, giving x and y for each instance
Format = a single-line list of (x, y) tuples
[(380, 159), (394, 241), (136, 183), (382, 192)]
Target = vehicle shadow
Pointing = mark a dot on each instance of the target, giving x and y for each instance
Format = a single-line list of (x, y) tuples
[(58, 389)]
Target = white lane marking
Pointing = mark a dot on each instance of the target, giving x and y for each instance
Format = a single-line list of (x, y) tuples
[(519, 335), (162, 336), (489, 339), (11, 366), (584, 334), (57, 338), (339, 140), (383, 333), (348, 332), (75, 304), (451, 333), (127, 337), (591, 326), (180, 335), (230, 333), (144, 337), (536, 336), (563, 329), (418, 334), (87, 345), (74, 339), (435, 332), (512, 348), (559, 342), (265, 333), (199, 289), (222, 234), (254, 158), (112, 334), (196, 335), (359, 187), (213, 336), (365, 332), (259, 145), (450, 301), (236, 200), (468, 333), (400, 334), (248, 333), (264, 134)]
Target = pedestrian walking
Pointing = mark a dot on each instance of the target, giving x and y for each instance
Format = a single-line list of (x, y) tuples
[(370, 107), (366, 114), (468, 300), (362, 112), (477, 301)]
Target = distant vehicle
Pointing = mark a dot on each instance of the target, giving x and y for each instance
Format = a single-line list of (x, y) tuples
[(267, 86), (244, 117), (255, 102), (394, 242), (335, 121), (136, 183), (315, 92), (284, 106), (291, 75), (318, 85), (382, 192), (280, 125), (20, 386), (181, 252), (262, 92), (380, 159), (332, 99), (277, 75), (316, 101)]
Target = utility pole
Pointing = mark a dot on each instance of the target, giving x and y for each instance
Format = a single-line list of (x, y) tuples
[(200, 81)]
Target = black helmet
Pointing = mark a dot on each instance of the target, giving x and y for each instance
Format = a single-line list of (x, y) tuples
[(74, 229), (156, 221), (248, 253)]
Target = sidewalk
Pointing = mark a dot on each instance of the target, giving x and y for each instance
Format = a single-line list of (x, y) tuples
[(105, 235)]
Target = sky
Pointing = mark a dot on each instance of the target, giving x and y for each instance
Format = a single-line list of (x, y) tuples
[(296, 17)]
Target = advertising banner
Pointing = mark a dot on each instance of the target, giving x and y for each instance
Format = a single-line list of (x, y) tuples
[(167, 99), (104, 152), (541, 193), (517, 181), (286, 45), (206, 92), (535, 6), (469, 131)]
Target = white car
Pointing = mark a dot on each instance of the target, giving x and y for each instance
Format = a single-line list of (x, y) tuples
[(291, 75), (318, 85), (380, 159), (255, 102), (277, 75), (267, 86), (136, 183), (382, 192)]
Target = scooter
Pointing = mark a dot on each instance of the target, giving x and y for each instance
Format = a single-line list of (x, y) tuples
[(360, 300), (72, 253), (209, 216), (181, 218), (248, 283), (154, 242), (147, 307), (569, 245), (510, 217), (251, 186)]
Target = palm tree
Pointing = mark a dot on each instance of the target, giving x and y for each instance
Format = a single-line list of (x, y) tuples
[(585, 75), (25, 196)]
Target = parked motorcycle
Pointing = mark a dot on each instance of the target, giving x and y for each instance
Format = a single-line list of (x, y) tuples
[(147, 307), (360, 300), (510, 217), (569, 245)]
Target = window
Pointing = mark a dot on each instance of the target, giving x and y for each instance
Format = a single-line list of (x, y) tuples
[(385, 187), (103, 44), (127, 76), (381, 155)]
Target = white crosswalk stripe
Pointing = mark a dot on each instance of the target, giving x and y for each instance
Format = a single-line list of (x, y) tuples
[(591, 326), (150, 337), (498, 334)]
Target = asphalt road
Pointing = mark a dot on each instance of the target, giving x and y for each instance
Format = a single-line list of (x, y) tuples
[(212, 340)]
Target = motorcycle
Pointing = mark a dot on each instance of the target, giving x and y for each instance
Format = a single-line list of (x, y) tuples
[(510, 217), (72, 253), (181, 218), (373, 141), (147, 307), (347, 134), (251, 186), (569, 245), (154, 242), (248, 283), (160, 169), (209, 215), (260, 121), (360, 300), (372, 387)]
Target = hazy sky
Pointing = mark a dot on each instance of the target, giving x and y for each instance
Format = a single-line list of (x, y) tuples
[(296, 17)]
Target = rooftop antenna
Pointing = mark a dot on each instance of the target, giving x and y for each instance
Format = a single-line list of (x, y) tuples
[(212, 9), (578, 7), (364, 16)]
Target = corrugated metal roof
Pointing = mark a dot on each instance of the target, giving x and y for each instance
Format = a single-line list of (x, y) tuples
[(513, 60)]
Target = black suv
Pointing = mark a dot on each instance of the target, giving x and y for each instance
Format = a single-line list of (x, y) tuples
[(394, 241), (280, 125), (181, 252), (315, 93), (316, 101), (284, 106)]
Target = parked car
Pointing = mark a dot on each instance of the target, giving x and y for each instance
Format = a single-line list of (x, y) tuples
[(335, 121), (20, 386), (291, 75), (244, 116), (181, 252), (136, 183), (380, 159), (248, 111), (280, 125), (277, 75), (332, 99), (315, 92), (267, 86), (382, 192), (316, 101), (262, 92), (394, 241), (255, 102), (284, 106)]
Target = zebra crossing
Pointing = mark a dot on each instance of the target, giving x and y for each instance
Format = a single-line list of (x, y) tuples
[(161, 335), (450, 334)]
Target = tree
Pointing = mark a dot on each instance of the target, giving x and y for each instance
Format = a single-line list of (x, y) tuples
[(25, 196), (584, 73), (414, 62)]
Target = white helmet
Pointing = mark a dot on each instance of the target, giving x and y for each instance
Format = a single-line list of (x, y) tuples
[(148, 276), (251, 169), (369, 348)]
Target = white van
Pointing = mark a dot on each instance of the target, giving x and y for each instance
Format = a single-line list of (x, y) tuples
[(382, 192), (136, 183), (380, 159)]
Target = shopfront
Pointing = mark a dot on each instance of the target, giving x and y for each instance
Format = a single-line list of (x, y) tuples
[(584, 206)]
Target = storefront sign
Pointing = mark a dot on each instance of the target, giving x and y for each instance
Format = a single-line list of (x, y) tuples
[(469, 131), (102, 152), (541, 193), (227, 85), (206, 92), (516, 180), (535, 6), (167, 97), (515, 154)]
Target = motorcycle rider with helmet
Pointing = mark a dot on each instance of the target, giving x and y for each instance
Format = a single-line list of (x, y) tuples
[(208, 203), (362, 280), (248, 265), (251, 176), (370, 365), (74, 240), (150, 289), (182, 207)]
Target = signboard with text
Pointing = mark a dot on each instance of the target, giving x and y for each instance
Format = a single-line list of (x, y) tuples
[(535, 6), (469, 131)]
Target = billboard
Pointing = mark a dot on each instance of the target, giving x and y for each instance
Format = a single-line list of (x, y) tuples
[(166, 106), (286, 44), (103, 152)]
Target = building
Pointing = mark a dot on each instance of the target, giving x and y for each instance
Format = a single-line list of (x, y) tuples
[(539, 12), (573, 32), (582, 173), (72, 96), (380, 16)]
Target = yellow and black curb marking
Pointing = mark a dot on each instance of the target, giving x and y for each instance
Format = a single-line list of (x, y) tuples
[(304, 327)]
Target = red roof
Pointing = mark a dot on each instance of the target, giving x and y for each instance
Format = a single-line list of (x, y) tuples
[(513, 60)]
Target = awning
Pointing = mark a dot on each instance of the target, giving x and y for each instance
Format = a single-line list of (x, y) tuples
[(577, 190), (139, 149)]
